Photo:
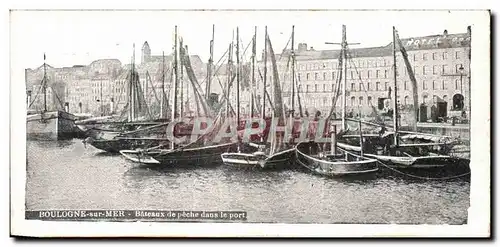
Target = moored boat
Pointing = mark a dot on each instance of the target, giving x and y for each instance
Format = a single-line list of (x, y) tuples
[(312, 156)]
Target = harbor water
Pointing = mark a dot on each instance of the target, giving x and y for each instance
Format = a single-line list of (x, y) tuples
[(69, 175)]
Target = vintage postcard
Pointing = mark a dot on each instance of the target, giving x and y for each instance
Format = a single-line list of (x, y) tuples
[(250, 123)]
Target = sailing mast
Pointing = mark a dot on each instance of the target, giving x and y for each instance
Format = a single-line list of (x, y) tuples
[(44, 84), (344, 84), (263, 112), (181, 77), (229, 76), (253, 72), (293, 72), (176, 74), (209, 65), (131, 88), (395, 100), (162, 84), (237, 76)]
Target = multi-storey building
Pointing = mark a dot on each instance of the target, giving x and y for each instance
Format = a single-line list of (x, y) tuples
[(101, 87), (441, 64)]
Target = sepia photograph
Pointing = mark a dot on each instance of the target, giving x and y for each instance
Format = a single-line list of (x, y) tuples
[(259, 121)]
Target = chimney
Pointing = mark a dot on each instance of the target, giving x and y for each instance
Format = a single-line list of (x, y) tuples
[(468, 30), (311, 49), (302, 47), (445, 32)]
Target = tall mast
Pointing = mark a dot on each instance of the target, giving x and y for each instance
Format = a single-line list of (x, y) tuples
[(237, 76), (293, 70), (263, 113), (181, 76), (162, 83), (344, 51), (44, 84), (132, 87), (210, 64), (252, 103), (229, 75), (395, 100), (176, 74)]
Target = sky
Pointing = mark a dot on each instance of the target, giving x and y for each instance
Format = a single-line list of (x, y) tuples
[(79, 37)]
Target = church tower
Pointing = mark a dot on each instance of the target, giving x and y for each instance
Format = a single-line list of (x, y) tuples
[(146, 53)]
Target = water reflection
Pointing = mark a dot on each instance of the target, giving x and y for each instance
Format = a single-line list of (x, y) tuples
[(68, 175)]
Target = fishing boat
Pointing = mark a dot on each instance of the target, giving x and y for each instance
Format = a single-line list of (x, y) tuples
[(46, 124), (397, 149), (278, 152), (323, 161), (200, 152), (110, 134)]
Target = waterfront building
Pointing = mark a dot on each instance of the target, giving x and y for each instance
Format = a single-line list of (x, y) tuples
[(441, 64)]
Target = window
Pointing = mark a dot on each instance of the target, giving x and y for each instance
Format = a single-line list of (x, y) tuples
[(315, 76), (369, 100), (352, 74), (307, 88), (434, 56), (445, 68), (376, 75), (315, 87), (324, 87), (445, 55), (353, 101), (333, 75), (457, 55), (424, 56), (406, 85), (298, 76), (360, 101), (434, 70), (424, 85), (368, 86), (444, 84), (385, 73), (353, 87), (386, 86), (457, 84), (414, 57), (368, 75), (307, 76), (424, 68), (361, 87), (377, 86), (333, 87), (415, 70), (445, 98), (434, 85), (407, 100), (324, 76)]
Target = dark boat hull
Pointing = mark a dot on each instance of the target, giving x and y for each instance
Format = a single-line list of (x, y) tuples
[(250, 158), (116, 144), (198, 156), (343, 164)]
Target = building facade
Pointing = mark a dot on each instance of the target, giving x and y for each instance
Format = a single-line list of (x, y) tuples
[(441, 64), (100, 88)]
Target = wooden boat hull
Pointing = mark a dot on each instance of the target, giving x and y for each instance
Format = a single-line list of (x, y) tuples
[(343, 164), (197, 156), (250, 158), (114, 145), (54, 125)]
